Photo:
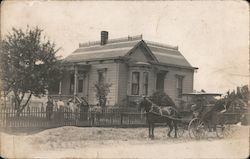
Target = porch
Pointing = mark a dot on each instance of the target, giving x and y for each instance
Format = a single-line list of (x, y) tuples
[(74, 82)]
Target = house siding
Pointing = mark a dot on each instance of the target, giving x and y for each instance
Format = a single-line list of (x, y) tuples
[(66, 84), (170, 82), (111, 77), (122, 84), (151, 82)]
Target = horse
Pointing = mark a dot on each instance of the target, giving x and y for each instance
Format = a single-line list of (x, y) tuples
[(156, 114)]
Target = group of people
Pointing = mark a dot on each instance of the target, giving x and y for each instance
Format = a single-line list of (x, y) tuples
[(60, 106)]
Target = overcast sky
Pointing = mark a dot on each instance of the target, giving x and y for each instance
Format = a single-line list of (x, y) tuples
[(213, 36)]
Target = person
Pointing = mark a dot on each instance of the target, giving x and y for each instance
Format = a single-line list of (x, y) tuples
[(60, 109), (70, 105), (197, 108), (42, 108), (84, 108), (49, 108), (60, 104)]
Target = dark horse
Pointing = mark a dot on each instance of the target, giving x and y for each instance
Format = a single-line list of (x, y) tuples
[(155, 114)]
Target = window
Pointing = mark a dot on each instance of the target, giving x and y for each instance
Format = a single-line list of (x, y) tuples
[(160, 81), (179, 85), (135, 83), (145, 83), (80, 85), (81, 76), (101, 75)]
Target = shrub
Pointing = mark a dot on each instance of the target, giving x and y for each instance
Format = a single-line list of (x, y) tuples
[(162, 99)]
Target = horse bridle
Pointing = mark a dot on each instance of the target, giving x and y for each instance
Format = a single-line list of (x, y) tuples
[(152, 104)]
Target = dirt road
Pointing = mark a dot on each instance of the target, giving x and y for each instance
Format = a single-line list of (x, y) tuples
[(121, 143)]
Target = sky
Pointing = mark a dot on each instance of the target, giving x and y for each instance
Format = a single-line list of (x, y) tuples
[(212, 35)]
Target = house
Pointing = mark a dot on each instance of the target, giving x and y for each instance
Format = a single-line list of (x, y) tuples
[(133, 66)]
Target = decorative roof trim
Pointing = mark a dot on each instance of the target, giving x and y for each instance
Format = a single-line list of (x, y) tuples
[(176, 66), (111, 41), (98, 59), (180, 76)]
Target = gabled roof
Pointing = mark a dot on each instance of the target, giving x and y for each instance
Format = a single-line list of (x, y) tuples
[(123, 47), (141, 43)]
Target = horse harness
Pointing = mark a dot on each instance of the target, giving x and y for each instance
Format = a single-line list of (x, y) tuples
[(169, 110)]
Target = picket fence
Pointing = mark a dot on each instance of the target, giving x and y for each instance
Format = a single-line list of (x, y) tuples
[(39, 118)]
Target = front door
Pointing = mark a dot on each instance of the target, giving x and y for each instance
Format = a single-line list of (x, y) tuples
[(81, 86), (160, 81)]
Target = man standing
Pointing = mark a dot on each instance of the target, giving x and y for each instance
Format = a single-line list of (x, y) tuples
[(84, 108), (49, 108)]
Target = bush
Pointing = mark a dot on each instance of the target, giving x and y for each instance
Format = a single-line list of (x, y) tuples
[(162, 99), (102, 90)]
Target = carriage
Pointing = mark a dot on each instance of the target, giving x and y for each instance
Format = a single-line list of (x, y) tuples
[(202, 116)]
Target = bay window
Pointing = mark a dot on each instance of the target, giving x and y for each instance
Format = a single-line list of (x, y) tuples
[(135, 83)]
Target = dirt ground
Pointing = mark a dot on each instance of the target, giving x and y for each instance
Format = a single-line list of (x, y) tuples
[(76, 142)]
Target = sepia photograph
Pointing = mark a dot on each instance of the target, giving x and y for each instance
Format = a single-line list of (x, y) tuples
[(124, 79)]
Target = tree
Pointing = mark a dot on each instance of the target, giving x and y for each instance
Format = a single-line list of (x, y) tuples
[(237, 100), (243, 93), (102, 91), (29, 65)]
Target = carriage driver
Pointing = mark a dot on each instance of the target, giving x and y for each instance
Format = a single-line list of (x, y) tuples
[(197, 108)]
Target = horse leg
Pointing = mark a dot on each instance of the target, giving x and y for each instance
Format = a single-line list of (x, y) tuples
[(170, 128), (175, 129), (152, 128), (149, 130)]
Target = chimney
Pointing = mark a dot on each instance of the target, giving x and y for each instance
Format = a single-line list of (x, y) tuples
[(104, 37)]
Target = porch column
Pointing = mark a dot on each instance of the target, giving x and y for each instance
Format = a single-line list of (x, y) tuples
[(60, 88), (75, 80)]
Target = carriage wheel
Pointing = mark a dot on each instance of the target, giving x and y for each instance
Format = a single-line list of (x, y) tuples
[(227, 130), (220, 131), (197, 129), (223, 131)]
